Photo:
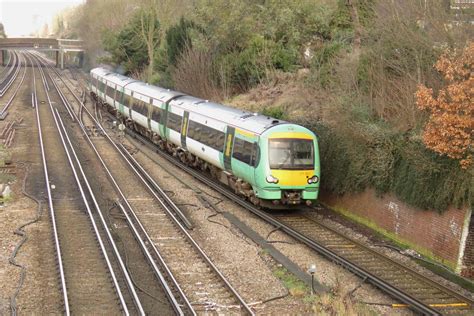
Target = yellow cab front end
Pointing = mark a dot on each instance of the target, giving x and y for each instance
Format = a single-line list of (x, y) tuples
[(288, 172)]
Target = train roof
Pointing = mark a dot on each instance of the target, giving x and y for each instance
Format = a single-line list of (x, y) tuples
[(252, 122), (113, 77), (158, 93)]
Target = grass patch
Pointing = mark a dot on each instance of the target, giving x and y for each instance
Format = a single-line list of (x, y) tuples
[(336, 302), (5, 200), (295, 286), (339, 302), (275, 112), (459, 280)]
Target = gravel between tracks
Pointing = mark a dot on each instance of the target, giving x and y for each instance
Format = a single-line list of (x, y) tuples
[(240, 259), (40, 293)]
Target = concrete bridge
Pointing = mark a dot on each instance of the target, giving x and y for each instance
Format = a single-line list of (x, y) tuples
[(60, 46)]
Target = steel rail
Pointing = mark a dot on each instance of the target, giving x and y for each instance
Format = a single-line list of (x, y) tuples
[(6, 66), (10, 101), (397, 264), (63, 133), (201, 252), (9, 66), (110, 238), (10, 77), (168, 290), (153, 187), (156, 190), (131, 162), (175, 304), (134, 165), (123, 197), (51, 209)]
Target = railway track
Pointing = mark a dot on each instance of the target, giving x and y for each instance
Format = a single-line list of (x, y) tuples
[(193, 278), (153, 295), (88, 278), (412, 289), (3, 69), (22, 63), (11, 74)]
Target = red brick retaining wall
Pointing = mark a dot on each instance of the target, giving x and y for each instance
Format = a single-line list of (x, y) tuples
[(468, 259), (440, 236)]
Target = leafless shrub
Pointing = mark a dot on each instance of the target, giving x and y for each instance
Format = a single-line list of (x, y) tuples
[(198, 75), (339, 302), (397, 55)]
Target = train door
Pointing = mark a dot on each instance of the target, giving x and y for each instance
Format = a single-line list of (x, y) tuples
[(228, 146), (150, 109), (130, 104), (184, 129), (243, 157), (164, 119)]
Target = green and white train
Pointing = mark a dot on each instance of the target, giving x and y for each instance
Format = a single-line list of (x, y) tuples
[(271, 162)]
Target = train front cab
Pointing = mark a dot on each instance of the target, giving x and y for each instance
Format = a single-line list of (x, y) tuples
[(288, 172)]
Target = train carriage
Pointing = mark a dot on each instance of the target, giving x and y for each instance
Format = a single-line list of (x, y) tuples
[(269, 161)]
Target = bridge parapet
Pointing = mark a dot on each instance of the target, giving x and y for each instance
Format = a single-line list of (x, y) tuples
[(70, 44), (60, 46), (43, 43)]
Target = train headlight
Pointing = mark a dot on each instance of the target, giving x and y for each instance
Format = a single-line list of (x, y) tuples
[(313, 179), (272, 179)]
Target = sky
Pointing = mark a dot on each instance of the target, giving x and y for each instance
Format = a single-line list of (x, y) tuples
[(24, 17)]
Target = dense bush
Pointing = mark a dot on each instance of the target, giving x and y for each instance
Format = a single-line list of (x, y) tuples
[(178, 38), (249, 67), (370, 156), (276, 112)]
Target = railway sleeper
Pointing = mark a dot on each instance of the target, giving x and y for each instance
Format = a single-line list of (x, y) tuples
[(432, 298)]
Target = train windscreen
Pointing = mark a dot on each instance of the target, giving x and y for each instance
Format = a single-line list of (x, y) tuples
[(293, 154)]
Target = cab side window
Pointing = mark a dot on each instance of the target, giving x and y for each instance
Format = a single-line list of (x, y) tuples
[(245, 151)]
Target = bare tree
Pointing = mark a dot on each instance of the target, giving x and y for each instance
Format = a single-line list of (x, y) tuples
[(149, 32)]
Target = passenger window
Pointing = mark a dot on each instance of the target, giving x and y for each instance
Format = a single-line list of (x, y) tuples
[(244, 151), (156, 114), (174, 122), (207, 135), (128, 100)]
